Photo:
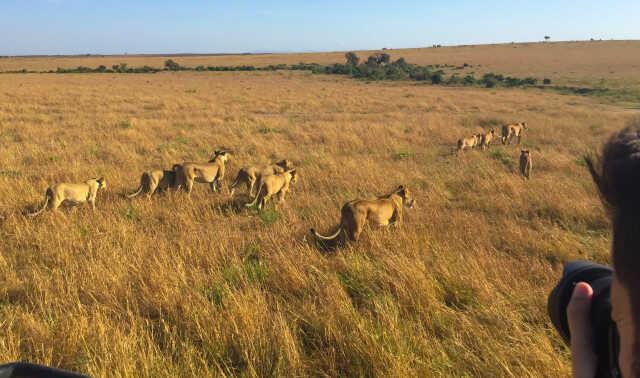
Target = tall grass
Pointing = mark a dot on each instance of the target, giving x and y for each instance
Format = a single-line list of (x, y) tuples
[(199, 286)]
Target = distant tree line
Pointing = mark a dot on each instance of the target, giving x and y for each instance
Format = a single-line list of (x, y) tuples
[(378, 66)]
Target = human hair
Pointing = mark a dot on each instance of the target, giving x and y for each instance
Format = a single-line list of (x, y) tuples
[(616, 173)]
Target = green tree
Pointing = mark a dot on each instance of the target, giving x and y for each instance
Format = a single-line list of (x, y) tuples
[(171, 65), (352, 58)]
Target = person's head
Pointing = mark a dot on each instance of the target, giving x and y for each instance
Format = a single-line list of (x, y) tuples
[(617, 175)]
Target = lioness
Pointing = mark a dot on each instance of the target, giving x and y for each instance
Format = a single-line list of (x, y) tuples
[(382, 211), (486, 138), (152, 181), (76, 193), (251, 175), (274, 184), (526, 164), (208, 173), (513, 130), (470, 142)]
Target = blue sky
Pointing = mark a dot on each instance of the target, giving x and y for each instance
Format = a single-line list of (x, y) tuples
[(145, 26)]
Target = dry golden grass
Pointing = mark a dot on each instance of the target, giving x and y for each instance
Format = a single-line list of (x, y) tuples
[(566, 63), (182, 287)]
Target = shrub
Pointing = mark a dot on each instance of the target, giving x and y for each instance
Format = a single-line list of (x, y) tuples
[(454, 80), (395, 73), (436, 78), (170, 65), (352, 59), (122, 67), (490, 82), (378, 59), (546, 81), (512, 82), (469, 80)]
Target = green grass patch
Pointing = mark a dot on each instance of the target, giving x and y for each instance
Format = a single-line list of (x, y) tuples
[(10, 173), (458, 295), (130, 212), (500, 155), (124, 125), (268, 216), (404, 155), (269, 130)]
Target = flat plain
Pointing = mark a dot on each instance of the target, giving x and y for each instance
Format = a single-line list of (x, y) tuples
[(200, 286)]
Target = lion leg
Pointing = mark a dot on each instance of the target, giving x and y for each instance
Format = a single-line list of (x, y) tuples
[(358, 225), (263, 201), (251, 183), (281, 195), (153, 187), (212, 186), (189, 185), (55, 204), (398, 219), (357, 231)]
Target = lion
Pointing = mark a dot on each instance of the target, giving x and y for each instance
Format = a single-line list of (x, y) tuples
[(154, 181), (250, 175), (470, 142), (382, 211), (513, 130), (277, 184), (211, 173), (525, 163), (486, 138), (75, 193)]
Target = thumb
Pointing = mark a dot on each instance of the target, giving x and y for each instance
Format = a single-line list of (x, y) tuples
[(578, 316)]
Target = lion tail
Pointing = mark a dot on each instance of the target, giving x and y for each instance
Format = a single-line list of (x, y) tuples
[(47, 197), (236, 182), (328, 238), (255, 200)]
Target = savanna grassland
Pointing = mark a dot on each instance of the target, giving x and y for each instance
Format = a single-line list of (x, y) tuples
[(200, 286)]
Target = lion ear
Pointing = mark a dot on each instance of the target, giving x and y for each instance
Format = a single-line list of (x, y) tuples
[(400, 188)]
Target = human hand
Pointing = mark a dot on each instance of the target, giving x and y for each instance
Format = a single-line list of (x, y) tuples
[(584, 360)]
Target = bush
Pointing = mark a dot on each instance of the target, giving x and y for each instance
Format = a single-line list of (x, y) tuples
[(489, 82), (436, 78), (170, 65), (469, 80), (395, 73), (378, 59), (546, 81), (512, 82), (352, 59), (454, 80)]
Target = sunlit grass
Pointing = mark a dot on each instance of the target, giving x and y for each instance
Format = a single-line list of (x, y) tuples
[(202, 286)]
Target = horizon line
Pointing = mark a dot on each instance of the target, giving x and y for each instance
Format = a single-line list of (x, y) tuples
[(293, 52)]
